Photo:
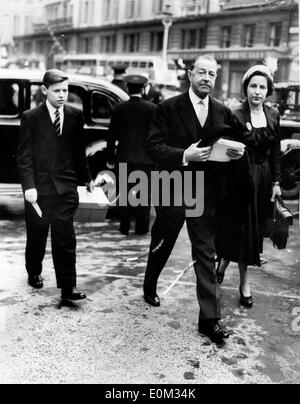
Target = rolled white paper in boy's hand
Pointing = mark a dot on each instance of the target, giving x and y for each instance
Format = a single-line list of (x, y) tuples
[(37, 209)]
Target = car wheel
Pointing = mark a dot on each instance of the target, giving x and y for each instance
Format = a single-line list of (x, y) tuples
[(290, 175)]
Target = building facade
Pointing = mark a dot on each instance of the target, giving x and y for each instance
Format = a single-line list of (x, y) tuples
[(238, 33), (17, 18)]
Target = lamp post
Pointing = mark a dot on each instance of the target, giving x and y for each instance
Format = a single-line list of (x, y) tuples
[(167, 20)]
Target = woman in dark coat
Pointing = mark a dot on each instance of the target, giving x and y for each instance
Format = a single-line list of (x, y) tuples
[(261, 122)]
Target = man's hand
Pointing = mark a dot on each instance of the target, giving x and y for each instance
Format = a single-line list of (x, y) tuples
[(31, 195), (197, 154), (110, 166), (235, 154), (275, 191), (90, 186)]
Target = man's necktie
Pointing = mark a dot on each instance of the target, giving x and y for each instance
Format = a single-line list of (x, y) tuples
[(202, 113), (57, 123)]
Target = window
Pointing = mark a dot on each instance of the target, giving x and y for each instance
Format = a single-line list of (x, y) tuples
[(183, 40), (192, 44), (36, 96), (158, 6), (107, 9), (133, 9), (108, 43), (16, 25), (156, 41), (75, 97), (88, 45), (201, 38), (131, 43), (9, 99), (87, 12), (249, 36), (226, 37), (275, 34), (27, 48), (192, 38), (102, 107)]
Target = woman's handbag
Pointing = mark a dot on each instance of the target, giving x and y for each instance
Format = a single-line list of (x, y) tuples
[(283, 218)]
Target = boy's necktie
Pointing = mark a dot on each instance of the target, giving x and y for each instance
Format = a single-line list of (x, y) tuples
[(57, 123)]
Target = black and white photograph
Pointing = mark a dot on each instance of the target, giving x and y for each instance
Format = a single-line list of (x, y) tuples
[(149, 195)]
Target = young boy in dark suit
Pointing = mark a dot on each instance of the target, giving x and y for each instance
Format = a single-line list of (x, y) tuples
[(51, 161)]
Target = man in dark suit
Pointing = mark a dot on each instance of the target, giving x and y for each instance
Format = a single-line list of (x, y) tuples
[(52, 162), (130, 124), (177, 128)]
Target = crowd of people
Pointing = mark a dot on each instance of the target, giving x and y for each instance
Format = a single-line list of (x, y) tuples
[(152, 134)]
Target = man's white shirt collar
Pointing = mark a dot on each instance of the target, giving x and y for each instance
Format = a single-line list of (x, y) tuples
[(196, 100)]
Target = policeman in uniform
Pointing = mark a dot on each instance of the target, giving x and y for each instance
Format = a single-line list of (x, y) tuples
[(119, 74), (130, 125)]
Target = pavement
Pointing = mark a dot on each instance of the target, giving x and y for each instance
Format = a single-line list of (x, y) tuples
[(114, 337)]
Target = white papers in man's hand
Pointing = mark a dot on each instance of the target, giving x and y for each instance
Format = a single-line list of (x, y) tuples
[(220, 148), (97, 197)]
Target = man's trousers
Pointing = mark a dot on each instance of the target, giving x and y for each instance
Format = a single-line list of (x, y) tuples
[(202, 234)]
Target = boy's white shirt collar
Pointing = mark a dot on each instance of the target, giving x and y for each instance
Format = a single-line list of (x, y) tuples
[(52, 110)]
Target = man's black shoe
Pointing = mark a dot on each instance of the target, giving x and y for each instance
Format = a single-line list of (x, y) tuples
[(152, 300), (213, 330), (72, 294), (35, 281), (124, 231)]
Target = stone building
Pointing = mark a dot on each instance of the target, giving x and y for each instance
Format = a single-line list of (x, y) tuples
[(238, 33)]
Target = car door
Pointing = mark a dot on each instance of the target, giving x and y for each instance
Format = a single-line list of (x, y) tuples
[(12, 103), (102, 103)]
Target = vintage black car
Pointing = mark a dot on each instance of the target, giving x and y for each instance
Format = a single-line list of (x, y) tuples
[(20, 91), (287, 99)]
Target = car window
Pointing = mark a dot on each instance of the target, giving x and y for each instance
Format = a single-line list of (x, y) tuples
[(36, 96), (75, 97), (102, 106), (9, 99)]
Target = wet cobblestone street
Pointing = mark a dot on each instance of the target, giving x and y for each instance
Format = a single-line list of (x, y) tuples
[(114, 337)]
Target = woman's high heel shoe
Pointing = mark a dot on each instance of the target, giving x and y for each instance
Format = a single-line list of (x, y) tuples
[(246, 301), (220, 275)]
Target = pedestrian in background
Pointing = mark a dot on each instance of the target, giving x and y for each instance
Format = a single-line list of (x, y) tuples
[(130, 125), (261, 135), (178, 126), (119, 75), (51, 163)]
